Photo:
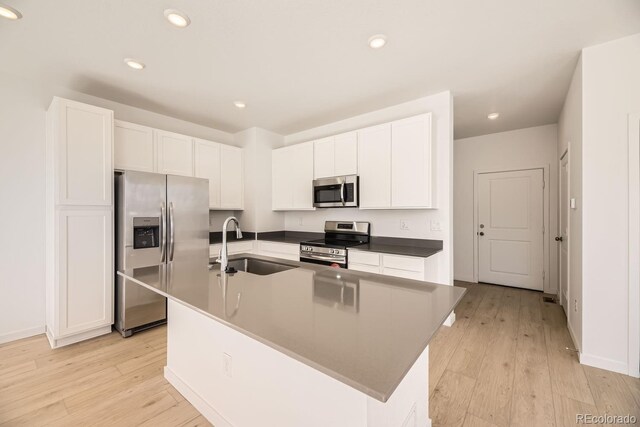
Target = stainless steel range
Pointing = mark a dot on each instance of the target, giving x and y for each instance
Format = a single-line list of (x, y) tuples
[(338, 236)]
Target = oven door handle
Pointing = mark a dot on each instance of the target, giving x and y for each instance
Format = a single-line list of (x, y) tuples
[(323, 258), (342, 187)]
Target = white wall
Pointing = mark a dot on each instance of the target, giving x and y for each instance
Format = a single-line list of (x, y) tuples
[(257, 215), (611, 91), (22, 191), (570, 138), (534, 147), (387, 222)]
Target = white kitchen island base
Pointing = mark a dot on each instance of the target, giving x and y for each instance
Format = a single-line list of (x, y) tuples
[(235, 380)]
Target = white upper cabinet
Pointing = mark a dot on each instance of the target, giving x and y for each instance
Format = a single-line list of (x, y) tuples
[(346, 154), (336, 155), (231, 177), (302, 165), (292, 177), (324, 157), (82, 143), (374, 166), (411, 163), (281, 185), (207, 165), (133, 147), (174, 153)]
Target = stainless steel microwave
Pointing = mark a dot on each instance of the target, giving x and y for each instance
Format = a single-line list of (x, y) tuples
[(336, 192)]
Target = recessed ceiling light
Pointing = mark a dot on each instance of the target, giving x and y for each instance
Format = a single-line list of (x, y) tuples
[(136, 65), (239, 104), (493, 116), (9, 12), (377, 41), (177, 18)]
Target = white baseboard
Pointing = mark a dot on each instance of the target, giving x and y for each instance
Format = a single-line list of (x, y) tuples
[(604, 363), (18, 335), (194, 398)]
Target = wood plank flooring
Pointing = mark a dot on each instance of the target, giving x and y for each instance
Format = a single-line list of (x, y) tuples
[(517, 371), (503, 363)]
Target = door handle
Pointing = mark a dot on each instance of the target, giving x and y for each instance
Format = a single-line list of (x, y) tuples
[(172, 231), (559, 239), (163, 232), (481, 233)]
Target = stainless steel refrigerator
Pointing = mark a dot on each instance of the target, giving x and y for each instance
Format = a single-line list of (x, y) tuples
[(159, 219)]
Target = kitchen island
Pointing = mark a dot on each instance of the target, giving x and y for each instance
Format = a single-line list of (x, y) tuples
[(286, 343)]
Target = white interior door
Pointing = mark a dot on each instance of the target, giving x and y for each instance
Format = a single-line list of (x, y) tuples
[(511, 228), (564, 232)]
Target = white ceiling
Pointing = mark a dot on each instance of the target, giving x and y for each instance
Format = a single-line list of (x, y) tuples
[(303, 63)]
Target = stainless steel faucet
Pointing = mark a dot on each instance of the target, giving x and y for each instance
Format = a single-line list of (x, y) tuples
[(223, 258)]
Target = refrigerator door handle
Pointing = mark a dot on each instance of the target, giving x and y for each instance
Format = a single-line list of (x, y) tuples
[(163, 233), (172, 232)]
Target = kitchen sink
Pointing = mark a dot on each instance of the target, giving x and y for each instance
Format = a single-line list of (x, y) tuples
[(258, 266)]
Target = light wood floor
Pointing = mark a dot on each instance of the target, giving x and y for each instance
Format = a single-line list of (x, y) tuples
[(502, 363)]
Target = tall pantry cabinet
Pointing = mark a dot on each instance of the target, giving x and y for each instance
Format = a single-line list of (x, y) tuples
[(79, 227)]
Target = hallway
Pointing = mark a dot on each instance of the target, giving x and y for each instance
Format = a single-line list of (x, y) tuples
[(504, 363)]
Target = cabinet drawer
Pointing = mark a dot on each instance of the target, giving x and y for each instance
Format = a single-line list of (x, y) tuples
[(367, 258), (280, 248), (403, 263), (406, 274), (365, 268)]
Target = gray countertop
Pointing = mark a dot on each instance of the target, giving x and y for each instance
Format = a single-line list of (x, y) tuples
[(389, 245), (365, 330)]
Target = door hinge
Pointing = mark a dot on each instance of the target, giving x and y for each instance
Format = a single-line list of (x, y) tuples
[(543, 275)]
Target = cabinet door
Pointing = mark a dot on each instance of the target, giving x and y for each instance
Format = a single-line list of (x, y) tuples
[(175, 153), (324, 158), (133, 147), (411, 162), (207, 165), (281, 182), (85, 150), (231, 177), (302, 180), (346, 154), (85, 268), (374, 166)]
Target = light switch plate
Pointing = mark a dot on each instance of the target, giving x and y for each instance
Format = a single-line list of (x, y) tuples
[(572, 203)]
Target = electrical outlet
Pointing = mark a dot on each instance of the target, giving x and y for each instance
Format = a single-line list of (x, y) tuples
[(227, 366), (575, 305), (404, 225), (435, 225)]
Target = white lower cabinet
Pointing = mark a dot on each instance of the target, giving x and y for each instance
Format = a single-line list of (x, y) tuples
[(387, 264), (80, 294), (290, 251)]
